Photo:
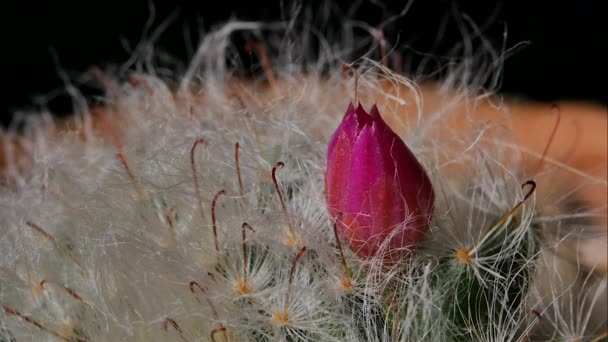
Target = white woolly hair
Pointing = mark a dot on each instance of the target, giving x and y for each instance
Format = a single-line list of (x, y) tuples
[(123, 233)]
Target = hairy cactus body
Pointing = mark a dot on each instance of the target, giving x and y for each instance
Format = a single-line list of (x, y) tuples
[(142, 221)]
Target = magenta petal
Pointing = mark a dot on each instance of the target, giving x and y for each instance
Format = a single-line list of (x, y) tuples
[(375, 114), (348, 126), (362, 117)]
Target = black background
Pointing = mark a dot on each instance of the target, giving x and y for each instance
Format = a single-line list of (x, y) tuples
[(565, 58)]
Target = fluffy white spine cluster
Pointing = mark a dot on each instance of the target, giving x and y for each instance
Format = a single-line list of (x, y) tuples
[(99, 248)]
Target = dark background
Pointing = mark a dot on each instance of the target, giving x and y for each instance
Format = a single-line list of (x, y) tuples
[(565, 58)]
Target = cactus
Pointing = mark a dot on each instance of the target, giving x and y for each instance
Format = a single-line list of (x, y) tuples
[(158, 227)]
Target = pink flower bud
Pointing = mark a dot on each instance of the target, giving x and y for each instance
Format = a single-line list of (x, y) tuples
[(377, 184)]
